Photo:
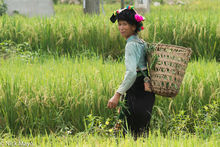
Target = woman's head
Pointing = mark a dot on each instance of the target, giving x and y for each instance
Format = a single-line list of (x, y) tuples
[(126, 29), (129, 22)]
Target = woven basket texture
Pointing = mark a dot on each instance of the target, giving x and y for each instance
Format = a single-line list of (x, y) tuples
[(169, 70)]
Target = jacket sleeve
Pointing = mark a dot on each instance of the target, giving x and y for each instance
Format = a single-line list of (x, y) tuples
[(132, 56)]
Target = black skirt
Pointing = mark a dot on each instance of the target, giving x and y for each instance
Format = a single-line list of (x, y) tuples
[(139, 104)]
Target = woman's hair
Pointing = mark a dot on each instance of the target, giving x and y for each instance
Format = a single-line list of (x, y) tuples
[(129, 15)]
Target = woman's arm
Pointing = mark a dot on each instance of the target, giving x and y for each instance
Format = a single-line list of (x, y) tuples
[(132, 56)]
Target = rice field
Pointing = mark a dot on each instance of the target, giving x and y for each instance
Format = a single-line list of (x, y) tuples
[(85, 140), (51, 94), (195, 25), (55, 84)]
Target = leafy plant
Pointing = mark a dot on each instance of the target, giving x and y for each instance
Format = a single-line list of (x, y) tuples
[(3, 7), (203, 123), (55, 1), (9, 48), (180, 122), (206, 120), (154, 57), (97, 125), (153, 62)]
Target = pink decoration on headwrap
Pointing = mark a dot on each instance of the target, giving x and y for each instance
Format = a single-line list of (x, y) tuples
[(142, 28), (139, 18)]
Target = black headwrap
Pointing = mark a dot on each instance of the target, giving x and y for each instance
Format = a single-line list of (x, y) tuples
[(127, 14)]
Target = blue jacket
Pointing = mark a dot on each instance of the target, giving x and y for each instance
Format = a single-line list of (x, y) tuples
[(135, 56)]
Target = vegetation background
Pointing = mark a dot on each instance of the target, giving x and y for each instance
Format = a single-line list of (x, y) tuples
[(56, 77)]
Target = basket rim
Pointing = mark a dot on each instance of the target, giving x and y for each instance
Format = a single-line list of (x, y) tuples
[(171, 45)]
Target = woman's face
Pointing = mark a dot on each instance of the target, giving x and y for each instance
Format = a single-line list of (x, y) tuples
[(126, 29)]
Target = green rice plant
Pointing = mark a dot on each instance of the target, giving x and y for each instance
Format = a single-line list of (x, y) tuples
[(70, 31), (83, 139), (200, 87), (51, 94)]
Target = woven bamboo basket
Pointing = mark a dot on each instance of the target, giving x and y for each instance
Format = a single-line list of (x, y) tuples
[(169, 69)]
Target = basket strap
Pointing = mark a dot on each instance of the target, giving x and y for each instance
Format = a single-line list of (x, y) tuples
[(145, 44)]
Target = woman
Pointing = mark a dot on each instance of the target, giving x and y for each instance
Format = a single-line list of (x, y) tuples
[(138, 102)]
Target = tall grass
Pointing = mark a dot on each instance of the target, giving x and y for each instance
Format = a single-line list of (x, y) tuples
[(194, 25), (49, 94), (153, 140)]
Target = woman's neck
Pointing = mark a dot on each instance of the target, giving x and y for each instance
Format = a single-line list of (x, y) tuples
[(131, 35)]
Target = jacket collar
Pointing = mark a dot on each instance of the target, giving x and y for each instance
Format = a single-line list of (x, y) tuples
[(132, 37)]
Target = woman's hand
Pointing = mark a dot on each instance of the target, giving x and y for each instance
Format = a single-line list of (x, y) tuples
[(113, 102)]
